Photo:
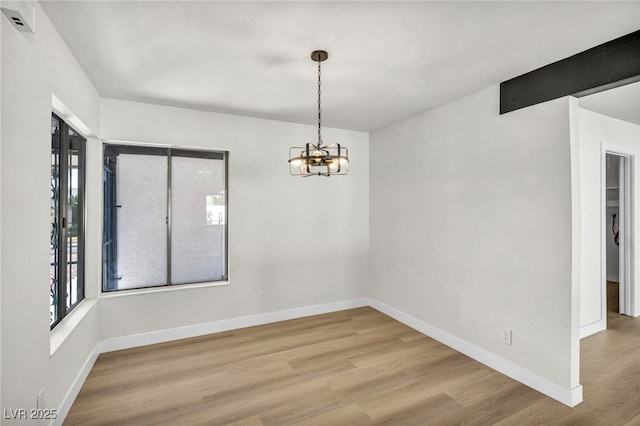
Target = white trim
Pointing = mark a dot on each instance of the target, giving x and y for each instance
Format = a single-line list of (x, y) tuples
[(64, 329), (628, 282), (593, 328), (128, 292), (603, 236), (570, 397), (160, 336), (67, 115), (163, 145), (74, 390)]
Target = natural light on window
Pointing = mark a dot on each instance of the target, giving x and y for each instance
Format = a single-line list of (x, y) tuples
[(165, 217)]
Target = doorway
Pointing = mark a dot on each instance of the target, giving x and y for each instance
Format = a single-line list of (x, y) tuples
[(618, 231)]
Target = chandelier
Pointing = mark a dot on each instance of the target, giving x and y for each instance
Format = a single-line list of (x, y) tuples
[(316, 159)]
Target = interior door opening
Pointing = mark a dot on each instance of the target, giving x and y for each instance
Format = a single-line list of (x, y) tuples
[(612, 232), (617, 286)]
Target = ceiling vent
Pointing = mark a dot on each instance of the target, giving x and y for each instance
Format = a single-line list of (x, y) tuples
[(21, 14)]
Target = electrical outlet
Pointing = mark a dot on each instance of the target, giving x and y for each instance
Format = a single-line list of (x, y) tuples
[(263, 296), (505, 336)]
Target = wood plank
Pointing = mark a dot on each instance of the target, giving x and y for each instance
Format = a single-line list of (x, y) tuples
[(351, 367)]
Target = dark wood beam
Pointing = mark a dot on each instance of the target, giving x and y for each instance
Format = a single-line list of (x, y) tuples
[(608, 65)]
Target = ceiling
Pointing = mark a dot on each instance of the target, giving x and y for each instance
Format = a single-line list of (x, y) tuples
[(622, 103), (387, 60)]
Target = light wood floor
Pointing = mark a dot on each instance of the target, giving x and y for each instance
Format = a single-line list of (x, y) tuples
[(355, 367)]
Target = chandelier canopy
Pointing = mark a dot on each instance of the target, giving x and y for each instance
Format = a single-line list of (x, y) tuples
[(317, 159)]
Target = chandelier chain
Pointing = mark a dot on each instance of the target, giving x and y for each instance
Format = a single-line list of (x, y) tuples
[(319, 107)]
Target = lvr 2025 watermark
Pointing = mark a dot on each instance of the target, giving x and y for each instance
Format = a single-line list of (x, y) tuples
[(29, 414)]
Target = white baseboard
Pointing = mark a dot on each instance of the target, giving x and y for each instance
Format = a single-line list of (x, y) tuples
[(612, 277), (570, 397), (593, 328), (160, 336), (73, 392)]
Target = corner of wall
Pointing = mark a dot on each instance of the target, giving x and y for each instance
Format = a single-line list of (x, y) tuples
[(576, 238), (568, 396), (70, 396)]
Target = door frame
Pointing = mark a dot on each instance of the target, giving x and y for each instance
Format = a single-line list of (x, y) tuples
[(626, 270)]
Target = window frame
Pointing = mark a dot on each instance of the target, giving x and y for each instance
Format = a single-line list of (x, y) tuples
[(61, 214), (111, 149)]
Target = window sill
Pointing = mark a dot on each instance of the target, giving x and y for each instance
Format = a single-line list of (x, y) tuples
[(163, 289), (64, 329)]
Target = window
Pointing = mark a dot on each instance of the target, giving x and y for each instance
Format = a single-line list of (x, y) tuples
[(67, 220), (165, 217)]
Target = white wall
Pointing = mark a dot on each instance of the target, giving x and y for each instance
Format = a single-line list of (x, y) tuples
[(304, 240), (35, 67), (594, 129), (471, 223), (471, 228), (2, 24)]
